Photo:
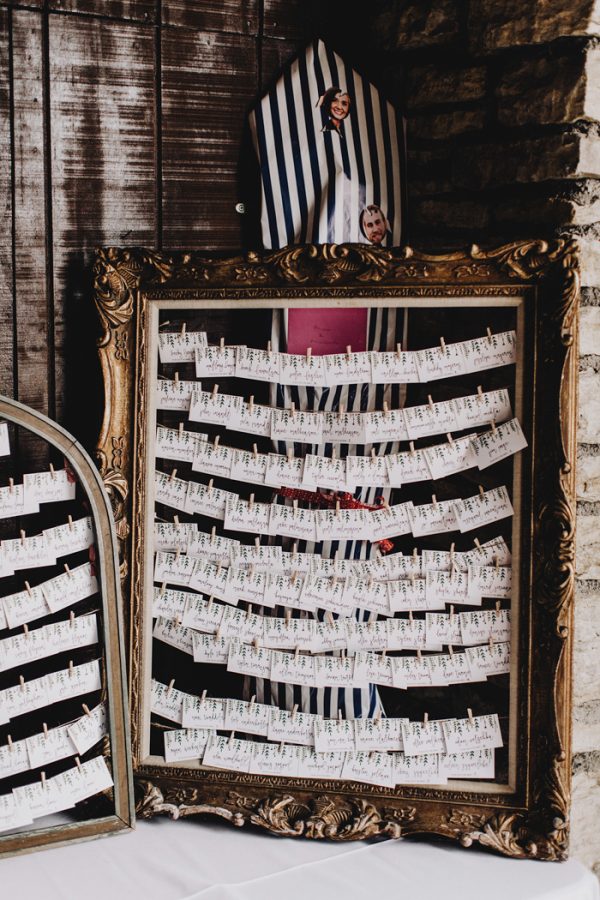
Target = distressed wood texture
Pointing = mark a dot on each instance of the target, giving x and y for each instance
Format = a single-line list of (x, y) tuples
[(121, 122), (7, 383), (103, 176), (209, 84)]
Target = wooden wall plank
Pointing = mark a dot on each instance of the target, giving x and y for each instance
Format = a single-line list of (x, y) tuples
[(233, 16), (103, 184), (7, 383), (136, 10), (209, 85), (276, 55), (31, 326), (295, 22)]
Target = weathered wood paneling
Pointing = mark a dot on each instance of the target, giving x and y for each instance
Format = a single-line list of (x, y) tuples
[(7, 383), (31, 325), (103, 176), (293, 22), (234, 16), (138, 10), (209, 83)]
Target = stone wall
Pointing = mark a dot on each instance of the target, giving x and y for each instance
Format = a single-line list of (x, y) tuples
[(503, 108)]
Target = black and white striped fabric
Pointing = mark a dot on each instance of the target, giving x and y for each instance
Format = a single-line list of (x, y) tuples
[(385, 329), (327, 180)]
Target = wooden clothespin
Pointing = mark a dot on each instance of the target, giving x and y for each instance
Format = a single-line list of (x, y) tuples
[(294, 711), (477, 544), (216, 441), (52, 471), (294, 507), (450, 439), (176, 378), (269, 347), (308, 355), (210, 485), (489, 334), (203, 697), (341, 409), (23, 535), (348, 351), (70, 522), (251, 404), (434, 501), (221, 344), (213, 534), (255, 451), (86, 709), (340, 715), (211, 600), (172, 475), (498, 605), (479, 393), (386, 408), (183, 327), (450, 650), (28, 588), (11, 485), (214, 392), (252, 700), (21, 682), (9, 742), (430, 402), (296, 652), (288, 616), (481, 490), (45, 730), (398, 349), (493, 426), (337, 509), (373, 455), (451, 614), (78, 763), (293, 410), (470, 716), (26, 630), (496, 561), (426, 720), (491, 642), (71, 618), (231, 737), (170, 687), (71, 668), (442, 345), (419, 655), (43, 779)]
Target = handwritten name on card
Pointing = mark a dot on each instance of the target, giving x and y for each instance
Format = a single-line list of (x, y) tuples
[(250, 718), (209, 649), (174, 394), (503, 441), (49, 487), (175, 635), (180, 347), (62, 540), (186, 743), (215, 362), (225, 753), (206, 500), (292, 668), (374, 767), (476, 733), (259, 365), (213, 409), (483, 509), (292, 727), (203, 712), (334, 735), (166, 701), (394, 368)]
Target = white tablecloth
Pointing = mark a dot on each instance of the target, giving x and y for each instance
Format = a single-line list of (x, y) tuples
[(164, 860)]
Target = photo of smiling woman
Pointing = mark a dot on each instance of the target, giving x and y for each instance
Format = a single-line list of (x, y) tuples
[(335, 107)]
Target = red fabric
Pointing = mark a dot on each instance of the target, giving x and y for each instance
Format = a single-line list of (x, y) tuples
[(326, 330)]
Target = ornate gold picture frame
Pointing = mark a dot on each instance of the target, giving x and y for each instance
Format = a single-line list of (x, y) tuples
[(527, 288)]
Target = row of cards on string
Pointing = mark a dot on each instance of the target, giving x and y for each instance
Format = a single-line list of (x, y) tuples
[(312, 470), (339, 523), (46, 547), (349, 671), (195, 613), (36, 488), (340, 595), (342, 427), (185, 537), (428, 752), (366, 367)]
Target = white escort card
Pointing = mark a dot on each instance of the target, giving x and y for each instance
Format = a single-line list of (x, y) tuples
[(423, 737), (248, 467), (343, 428), (209, 649), (24, 606), (175, 394), (343, 524), (373, 767), (378, 734), (372, 668), (429, 419), (248, 717), (4, 440), (482, 408), (213, 580), (490, 660), (73, 682), (43, 798), (62, 540), (166, 701), (14, 758), (170, 490), (324, 472), (217, 362), (89, 729), (206, 500), (300, 370), (174, 568), (434, 518), (171, 536), (213, 408), (292, 668), (14, 813), (327, 593), (391, 521), (249, 660), (474, 733), (452, 587), (169, 604), (334, 671), (447, 459), (300, 563), (493, 552), (237, 623), (297, 425), (186, 743), (483, 509), (49, 487), (492, 351), (24, 698), (330, 636), (445, 361), (409, 594), (394, 368), (90, 778), (445, 629), (284, 590), (293, 521), (334, 735), (423, 769), (320, 765), (408, 634), (479, 626), (499, 443), (258, 365), (203, 712), (47, 641), (287, 633), (365, 593), (179, 347), (347, 368), (471, 764), (174, 635), (212, 459), (271, 759), (14, 503), (245, 515), (213, 548), (292, 727), (408, 467), (367, 635), (49, 746), (492, 581), (228, 753), (27, 553), (410, 671), (202, 615), (284, 471), (246, 584), (389, 425), (261, 557), (251, 418)]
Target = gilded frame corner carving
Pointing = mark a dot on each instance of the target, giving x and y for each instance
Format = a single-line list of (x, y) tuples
[(535, 828)]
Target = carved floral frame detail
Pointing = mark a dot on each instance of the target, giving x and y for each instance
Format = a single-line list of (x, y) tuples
[(531, 825)]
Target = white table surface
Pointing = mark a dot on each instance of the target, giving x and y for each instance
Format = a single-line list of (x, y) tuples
[(187, 860)]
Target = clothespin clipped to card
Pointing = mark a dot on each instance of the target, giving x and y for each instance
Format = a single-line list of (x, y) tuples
[(290, 454), (470, 716), (176, 378), (255, 451), (348, 351), (490, 335), (71, 668), (386, 408), (398, 350), (26, 630), (450, 651), (442, 345), (183, 327), (170, 686), (294, 711), (341, 409), (52, 472), (430, 402), (293, 410), (9, 743), (216, 441), (70, 522), (210, 486), (434, 501), (411, 618), (337, 509), (11, 485), (28, 589), (478, 545), (288, 616), (43, 780), (71, 619), (295, 507), (269, 348), (78, 763), (45, 730), (419, 655), (496, 561), (479, 394), (251, 404), (231, 737), (450, 439), (493, 426), (308, 355), (221, 344), (203, 697), (172, 475), (211, 600), (296, 652), (426, 719), (21, 682), (213, 534), (451, 614), (498, 605), (214, 392), (481, 491), (86, 709), (340, 715), (252, 701), (373, 455), (23, 536), (491, 641)]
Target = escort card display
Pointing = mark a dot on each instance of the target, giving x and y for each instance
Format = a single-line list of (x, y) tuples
[(62, 714), (334, 512)]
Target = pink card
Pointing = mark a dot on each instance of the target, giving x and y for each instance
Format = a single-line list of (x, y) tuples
[(327, 330)]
